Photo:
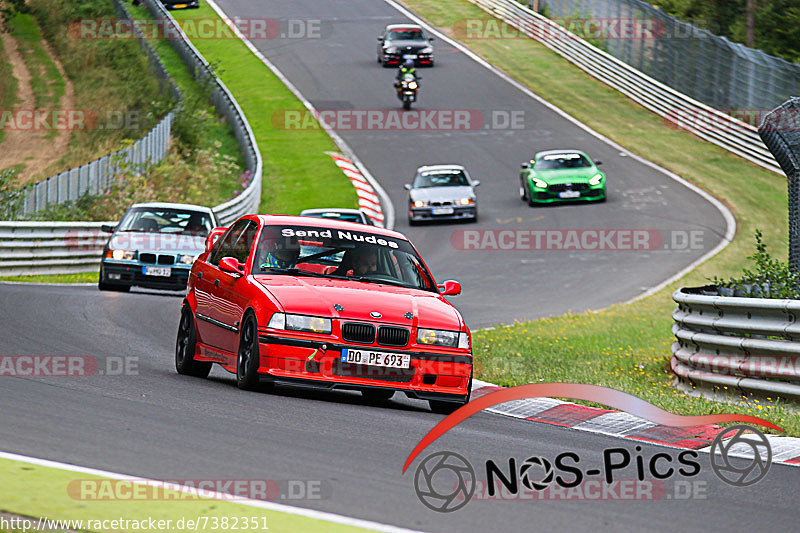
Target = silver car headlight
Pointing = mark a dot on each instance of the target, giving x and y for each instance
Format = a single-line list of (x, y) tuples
[(438, 337), (466, 201), (390, 50), (428, 50), (310, 324)]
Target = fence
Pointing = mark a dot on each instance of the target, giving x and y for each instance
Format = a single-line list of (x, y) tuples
[(67, 247), (730, 345), (95, 177), (784, 143), (704, 66), (679, 109)]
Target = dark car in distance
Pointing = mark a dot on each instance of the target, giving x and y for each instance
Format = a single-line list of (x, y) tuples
[(399, 42)]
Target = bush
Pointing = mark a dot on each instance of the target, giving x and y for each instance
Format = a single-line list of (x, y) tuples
[(771, 279), (194, 177)]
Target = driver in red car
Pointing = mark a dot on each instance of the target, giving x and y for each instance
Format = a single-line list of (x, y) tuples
[(283, 255)]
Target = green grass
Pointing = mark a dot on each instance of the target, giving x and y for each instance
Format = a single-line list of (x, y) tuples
[(8, 85), (82, 277), (207, 129), (297, 172), (36, 491), (625, 346), (110, 78), (46, 80)]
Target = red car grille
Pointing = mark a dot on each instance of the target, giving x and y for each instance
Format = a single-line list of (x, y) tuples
[(392, 336), (357, 332)]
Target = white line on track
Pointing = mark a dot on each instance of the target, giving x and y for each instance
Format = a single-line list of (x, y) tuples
[(270, 506)]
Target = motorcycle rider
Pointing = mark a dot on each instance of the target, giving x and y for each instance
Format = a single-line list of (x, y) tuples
[(405, 68)]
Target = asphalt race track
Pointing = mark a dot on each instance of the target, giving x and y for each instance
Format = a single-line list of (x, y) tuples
[(151, 422), (161, 425), (336, 69)]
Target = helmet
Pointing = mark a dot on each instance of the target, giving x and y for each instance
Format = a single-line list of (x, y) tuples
[(409, 63)]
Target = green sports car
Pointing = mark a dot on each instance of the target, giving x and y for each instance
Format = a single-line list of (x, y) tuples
[(561, 176)]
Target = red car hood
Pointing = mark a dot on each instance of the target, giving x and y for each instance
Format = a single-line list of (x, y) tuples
[(317, 296)]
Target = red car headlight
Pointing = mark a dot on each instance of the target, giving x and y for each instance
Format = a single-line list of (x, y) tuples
[(310, 324)]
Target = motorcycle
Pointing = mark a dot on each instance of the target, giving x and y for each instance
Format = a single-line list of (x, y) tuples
[(407, 89)]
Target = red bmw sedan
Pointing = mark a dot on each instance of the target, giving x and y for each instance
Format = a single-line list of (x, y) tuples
[(324, 303)]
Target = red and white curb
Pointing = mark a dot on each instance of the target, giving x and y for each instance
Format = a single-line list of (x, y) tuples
[(368, 200), (785, 450)]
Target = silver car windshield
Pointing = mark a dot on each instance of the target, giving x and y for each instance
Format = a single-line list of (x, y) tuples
[(449, 178)]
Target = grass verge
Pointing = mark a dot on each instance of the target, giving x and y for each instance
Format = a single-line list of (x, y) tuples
[(111, 79), (82, 277), (46, 81), (37, 491), (297, 172), (8, 85), (626, 347)]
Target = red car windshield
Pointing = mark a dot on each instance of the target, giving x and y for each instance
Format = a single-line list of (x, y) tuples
[(338, 253)]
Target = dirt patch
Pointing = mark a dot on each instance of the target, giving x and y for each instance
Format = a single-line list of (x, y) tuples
[(36, 148)]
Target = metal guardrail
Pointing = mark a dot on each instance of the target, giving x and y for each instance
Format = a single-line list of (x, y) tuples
[(50, 247), (732, 345), (95, 177), (679, 109), (68, 247)]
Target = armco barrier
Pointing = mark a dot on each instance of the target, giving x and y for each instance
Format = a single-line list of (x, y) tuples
[(50, 247), (728, 345), (679, 109), (68, 247)]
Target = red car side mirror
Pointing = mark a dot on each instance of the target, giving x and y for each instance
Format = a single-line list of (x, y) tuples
[(450, 288), (231, 265), (213, 236)]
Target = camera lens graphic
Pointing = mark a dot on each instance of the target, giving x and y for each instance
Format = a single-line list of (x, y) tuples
[(444, 482), (741, 440)]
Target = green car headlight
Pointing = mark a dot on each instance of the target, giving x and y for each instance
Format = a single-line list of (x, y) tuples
[(596, 179), (539, 183), (438, 337), (310, 324)]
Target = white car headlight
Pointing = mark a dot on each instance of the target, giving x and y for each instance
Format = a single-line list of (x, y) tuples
[(310, 324), (596, 179), (539, 183), (438, 337), (187, 259), (121, 255), (427, 50), (419, 203), (466, 201), (390, 50)]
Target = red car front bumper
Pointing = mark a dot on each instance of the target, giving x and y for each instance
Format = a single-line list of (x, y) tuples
[(443, 374)]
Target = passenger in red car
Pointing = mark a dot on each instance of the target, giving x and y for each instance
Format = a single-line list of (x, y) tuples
[(366, 261)]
